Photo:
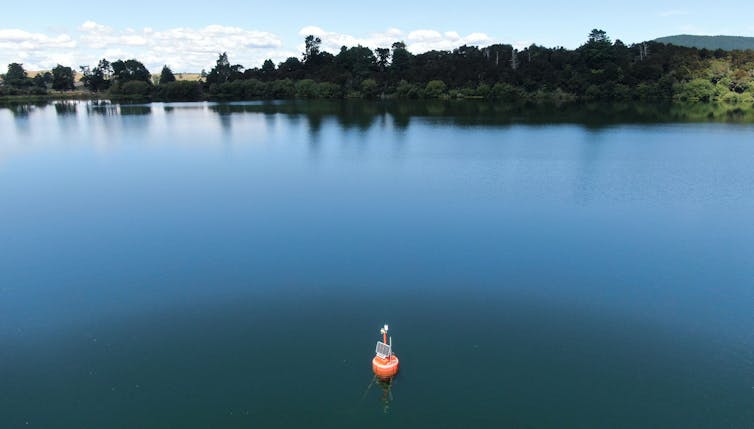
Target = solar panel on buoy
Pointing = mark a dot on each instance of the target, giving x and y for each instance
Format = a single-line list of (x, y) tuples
[(382, 350)]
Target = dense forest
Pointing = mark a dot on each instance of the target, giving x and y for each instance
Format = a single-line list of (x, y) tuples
[(600, 69)]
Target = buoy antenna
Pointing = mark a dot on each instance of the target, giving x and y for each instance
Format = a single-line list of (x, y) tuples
[(383, 331)]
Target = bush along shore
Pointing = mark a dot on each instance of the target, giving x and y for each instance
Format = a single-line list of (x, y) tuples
[(598, 70)]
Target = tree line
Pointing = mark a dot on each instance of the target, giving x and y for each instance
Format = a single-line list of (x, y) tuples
[(16, 80), (600, 69)]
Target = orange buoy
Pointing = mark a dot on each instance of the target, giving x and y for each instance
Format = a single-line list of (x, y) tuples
[(385, 362)]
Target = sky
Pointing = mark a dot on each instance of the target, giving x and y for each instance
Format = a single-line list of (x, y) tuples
[(188, 36)]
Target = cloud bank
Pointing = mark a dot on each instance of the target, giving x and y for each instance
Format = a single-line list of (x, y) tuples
[(184, 49), (193, 49), (417, 41)]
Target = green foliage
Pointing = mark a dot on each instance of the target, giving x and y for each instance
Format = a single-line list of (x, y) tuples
[(281, 89), (383, 57), (696, 90), (223, 71), (179, 91), (741, 80), (62, 78), (598, 54), (291, 68), (15, 72), (268, 66), (36, 90), (130, 70), (268, 70), (235, 90), (133, 90), (401, 60), (253, 89), (16, 76), (358, 62), (594, 92), (39, 81), (166, 75), (369, 88), (717, 69), (435, 89), (306, 88), (598, 37), (329, 90), (506, 92), (17, 83), (408, 90), (483, 90), (136, 88), (311, 49), (98, 78), (598, 70)]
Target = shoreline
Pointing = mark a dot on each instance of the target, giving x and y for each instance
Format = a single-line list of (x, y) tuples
[(535, 100), (467, 111)]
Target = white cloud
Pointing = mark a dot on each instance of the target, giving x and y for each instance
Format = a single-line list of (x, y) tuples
[(184, 49), (417, 41), (19, 39), (332, 41), (23, 46), (427, 40), (193, 49), (93, 26), (521, 44)]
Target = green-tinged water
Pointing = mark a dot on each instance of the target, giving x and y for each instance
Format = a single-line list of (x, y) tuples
[(202, 265)]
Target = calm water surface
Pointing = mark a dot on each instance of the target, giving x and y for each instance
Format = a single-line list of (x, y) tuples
[(200, 265)]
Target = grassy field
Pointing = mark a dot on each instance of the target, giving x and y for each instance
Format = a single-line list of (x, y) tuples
[(155, 77), (188, 76)]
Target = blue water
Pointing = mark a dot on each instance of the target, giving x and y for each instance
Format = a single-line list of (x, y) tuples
[(196, 265)]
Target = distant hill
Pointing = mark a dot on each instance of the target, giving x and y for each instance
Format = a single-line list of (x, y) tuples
[(727, 43)]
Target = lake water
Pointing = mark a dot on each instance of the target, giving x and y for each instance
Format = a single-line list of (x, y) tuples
[(201, 265)]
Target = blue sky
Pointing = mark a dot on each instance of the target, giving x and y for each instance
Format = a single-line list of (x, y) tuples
[(188, 35)]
